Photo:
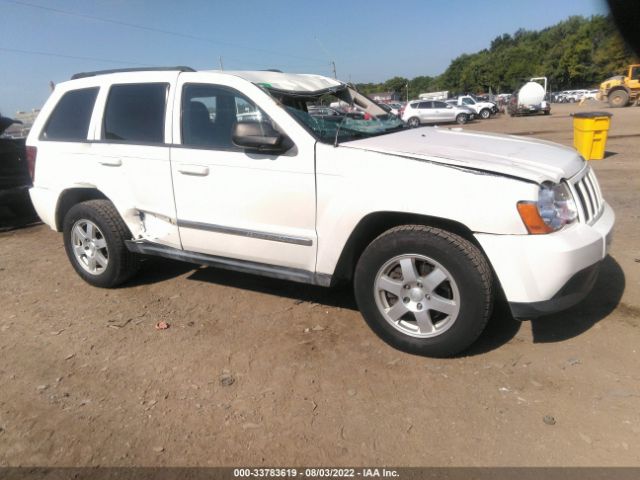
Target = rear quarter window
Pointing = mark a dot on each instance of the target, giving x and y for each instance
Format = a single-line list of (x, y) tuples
[(135, 113), (70, 118)]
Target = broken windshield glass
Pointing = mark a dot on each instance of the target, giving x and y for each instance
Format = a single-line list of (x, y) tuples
[(339, 114)]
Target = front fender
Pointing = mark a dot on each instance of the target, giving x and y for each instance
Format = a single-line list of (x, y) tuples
[(352, 184)]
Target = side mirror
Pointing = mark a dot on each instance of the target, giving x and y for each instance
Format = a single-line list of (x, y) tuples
[(259, 136)]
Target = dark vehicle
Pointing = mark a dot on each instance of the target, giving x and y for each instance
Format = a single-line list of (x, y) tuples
[(15, 180)]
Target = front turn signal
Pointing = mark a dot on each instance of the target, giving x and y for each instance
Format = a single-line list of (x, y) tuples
[(531, 218)]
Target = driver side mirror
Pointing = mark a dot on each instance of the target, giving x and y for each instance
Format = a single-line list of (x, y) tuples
[(260, 137)]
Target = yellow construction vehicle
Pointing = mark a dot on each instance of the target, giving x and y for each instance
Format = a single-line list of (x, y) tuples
[(620, 91)]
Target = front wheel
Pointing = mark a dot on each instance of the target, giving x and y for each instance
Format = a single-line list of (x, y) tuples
[(414, 122), (94, 239), (462, 118), (424, 290), (618, 98), (485, 113)]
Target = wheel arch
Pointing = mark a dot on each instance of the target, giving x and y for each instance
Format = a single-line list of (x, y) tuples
[(72, 196), (376, 223), (619, 87)]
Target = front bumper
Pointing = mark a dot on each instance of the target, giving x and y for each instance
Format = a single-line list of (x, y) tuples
[(543, 274)]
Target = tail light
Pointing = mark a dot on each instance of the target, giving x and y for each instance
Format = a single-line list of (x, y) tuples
[(32, 152)]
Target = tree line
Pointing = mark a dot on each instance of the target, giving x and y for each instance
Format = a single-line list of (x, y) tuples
[(575, 53)]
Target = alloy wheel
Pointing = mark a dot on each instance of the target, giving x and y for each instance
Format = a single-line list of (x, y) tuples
[(417, 295)]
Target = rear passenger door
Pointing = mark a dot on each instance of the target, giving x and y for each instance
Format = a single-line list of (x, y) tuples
[(426, 112), (131, 153)]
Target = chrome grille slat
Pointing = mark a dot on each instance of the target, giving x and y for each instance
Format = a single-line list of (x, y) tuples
[(585, 199), (592, 195), (596, 185), (588, 195)]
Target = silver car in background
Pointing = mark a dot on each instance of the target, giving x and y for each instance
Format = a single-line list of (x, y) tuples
[(420, 112)]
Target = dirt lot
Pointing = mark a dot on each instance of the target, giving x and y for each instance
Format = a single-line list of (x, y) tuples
[(255, 371)]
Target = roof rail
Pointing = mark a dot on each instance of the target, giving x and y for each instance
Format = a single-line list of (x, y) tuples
[(124, 70)]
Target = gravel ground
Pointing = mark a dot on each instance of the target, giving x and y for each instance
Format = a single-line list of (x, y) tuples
[(256, 371)]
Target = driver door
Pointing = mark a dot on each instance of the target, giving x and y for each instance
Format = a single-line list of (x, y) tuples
[(442, 112)]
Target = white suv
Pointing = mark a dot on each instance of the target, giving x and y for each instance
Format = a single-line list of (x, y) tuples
[(433, 111), (228, 169)]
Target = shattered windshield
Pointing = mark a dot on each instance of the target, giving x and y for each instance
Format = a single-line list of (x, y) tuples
[(338, 114)]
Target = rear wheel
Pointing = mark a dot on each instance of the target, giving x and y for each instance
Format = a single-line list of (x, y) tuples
[(618, 99), (414, 122), (462, 118), (94, 239), (424, 290)]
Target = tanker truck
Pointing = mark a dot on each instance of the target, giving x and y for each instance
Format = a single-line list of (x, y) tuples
[(530, 98)]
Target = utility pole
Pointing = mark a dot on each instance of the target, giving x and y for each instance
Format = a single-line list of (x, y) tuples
[(333, 65), (221, 64)]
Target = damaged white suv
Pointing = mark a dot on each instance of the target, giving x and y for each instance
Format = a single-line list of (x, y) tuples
[(229, 169)]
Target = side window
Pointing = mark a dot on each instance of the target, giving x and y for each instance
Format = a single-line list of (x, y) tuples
[(135, 113), (468, 101), (69, 120), (425, 105), (439, 105), (210, 112), (635, 73)]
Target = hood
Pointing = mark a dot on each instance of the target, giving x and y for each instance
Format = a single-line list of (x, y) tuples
[(529, 159)]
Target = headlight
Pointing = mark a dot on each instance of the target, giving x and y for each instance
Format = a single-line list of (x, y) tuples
[(554, 209)]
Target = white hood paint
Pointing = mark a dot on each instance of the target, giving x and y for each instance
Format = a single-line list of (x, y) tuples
[(531, 159)]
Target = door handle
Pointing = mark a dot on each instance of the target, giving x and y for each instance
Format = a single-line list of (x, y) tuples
[(111, 162), (199, 170)]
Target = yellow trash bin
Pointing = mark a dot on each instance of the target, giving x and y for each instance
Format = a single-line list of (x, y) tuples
[(590, 133)]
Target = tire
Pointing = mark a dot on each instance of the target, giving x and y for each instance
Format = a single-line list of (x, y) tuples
[(94, 239), (462, 118), (414, 122), (410, 255), (618, 98), (485, 113)]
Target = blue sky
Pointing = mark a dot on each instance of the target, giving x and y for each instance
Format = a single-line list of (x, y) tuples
[(369, 40)]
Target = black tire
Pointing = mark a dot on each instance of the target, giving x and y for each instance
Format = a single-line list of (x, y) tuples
[(618, 98), (485, 113), (462, 118), (463, 260), (414, 122), (122, 264)]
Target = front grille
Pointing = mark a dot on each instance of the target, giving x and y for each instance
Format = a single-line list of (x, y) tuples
[(588, 196)]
